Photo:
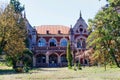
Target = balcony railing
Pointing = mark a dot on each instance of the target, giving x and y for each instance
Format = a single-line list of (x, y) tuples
[(50, 48)]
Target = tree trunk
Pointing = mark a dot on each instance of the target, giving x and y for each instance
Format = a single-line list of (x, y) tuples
[(14, 64), (114, 58), (105, 61)]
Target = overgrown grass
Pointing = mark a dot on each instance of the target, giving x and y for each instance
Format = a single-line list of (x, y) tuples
[(2, 64), (5, 69), (87, 73)]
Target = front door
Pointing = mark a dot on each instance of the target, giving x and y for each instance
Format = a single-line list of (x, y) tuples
[(53, 60)]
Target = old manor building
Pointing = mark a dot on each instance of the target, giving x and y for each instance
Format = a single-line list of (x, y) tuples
[(49, 43)]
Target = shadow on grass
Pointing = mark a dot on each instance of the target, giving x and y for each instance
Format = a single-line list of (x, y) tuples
[(45, 69), (7, 71)]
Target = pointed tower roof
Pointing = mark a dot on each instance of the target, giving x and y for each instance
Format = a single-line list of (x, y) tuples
[(24, 14), (80, 14), (80, 21)]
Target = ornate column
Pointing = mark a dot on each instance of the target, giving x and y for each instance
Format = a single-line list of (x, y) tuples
[(34, 61), (59, 59), (47, 58), (81, 43)]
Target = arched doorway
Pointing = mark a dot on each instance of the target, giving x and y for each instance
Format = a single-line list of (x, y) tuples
[(53, 60), (63, 60), (41, 60)]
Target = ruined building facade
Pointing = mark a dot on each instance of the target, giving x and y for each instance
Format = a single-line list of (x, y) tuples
[(49, 43)]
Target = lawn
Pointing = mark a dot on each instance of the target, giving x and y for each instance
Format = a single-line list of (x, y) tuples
[(87, 73)]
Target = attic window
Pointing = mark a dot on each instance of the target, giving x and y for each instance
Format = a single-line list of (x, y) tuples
[(59, 32), (81, 29), (47, 32)]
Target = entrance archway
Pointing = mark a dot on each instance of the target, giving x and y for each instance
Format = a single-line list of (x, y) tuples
[(41, 60), (63, 60), (53, 60)]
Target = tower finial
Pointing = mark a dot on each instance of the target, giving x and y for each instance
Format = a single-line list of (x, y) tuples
[(24, 12), (80, 14), (70, 26)]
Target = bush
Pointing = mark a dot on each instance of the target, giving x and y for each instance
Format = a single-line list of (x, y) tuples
[(79, 66), (75, 68), (19, 70), (26, 69)]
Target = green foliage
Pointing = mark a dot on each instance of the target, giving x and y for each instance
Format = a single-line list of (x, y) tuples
[(2, 64), (0, 51), (75, 67), (19, 70), (12, 35), (26, 42), (105, 36), (17, 6), (27, 58), (69, 56), (79, 66)]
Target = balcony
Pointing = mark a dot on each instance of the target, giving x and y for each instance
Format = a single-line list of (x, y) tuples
[(50, 48)]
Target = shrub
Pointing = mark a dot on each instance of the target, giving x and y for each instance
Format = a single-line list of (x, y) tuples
[(75, 66), (19, 70), (26, 69), (79, 66)]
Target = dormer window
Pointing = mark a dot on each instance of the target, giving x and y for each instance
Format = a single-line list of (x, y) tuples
[(59, 32), (47, 32)]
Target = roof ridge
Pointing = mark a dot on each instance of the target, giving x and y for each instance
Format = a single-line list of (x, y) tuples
[(53, 29), (52, 25)]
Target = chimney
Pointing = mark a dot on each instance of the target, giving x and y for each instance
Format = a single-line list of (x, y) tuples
[(47, 32), (59, 32)]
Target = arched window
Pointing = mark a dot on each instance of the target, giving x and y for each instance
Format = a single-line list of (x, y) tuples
[(63, 42), (83, 44), (79, 44), (52, 42), (42, 42)]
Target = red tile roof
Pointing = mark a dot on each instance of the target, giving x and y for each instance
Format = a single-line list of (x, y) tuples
[(53, 29)]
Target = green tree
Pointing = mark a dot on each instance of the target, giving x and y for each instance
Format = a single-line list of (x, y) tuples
[(79, 66), (69, 56), (106, 36), (14, 35), (17, 6), (27, 57)]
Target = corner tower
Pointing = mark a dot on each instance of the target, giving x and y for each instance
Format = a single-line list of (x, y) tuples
[(80, 36), (80, 33)]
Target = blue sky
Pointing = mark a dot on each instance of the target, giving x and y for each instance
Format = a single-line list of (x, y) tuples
[(59, 12)]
